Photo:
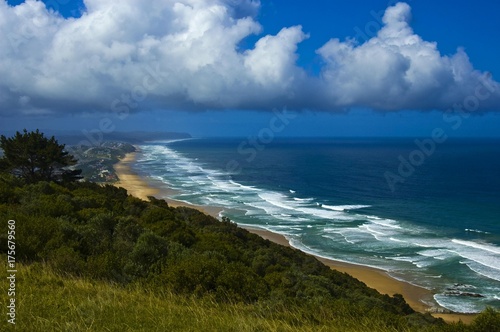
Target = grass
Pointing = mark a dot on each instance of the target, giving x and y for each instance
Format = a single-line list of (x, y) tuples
[(51, 302)]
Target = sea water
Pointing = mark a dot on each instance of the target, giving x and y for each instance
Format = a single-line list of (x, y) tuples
[(428, 216)]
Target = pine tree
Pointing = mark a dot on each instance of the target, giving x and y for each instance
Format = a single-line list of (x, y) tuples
[(34, 157)]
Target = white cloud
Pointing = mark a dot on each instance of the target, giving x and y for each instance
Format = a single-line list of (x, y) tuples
[(192, 46), (273, 58), (397, 69)]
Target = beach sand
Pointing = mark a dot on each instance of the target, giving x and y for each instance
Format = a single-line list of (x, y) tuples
[(135, 185), (420, 299), (141, 187)]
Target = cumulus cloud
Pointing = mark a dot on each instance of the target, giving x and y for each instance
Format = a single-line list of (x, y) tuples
[(185, 54), (396, 69)]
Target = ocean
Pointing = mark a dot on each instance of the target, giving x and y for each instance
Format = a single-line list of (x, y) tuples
[(426, 212)]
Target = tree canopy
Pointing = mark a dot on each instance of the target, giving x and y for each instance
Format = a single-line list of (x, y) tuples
[(34, 157)]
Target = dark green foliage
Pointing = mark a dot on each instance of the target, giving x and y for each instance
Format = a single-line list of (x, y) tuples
[(148, 250), (33, 157), (66, 260), (489, 320), (8, 183), (100, 232), (126, 234)]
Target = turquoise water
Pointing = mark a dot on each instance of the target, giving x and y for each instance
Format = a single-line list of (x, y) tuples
[(437, 226)]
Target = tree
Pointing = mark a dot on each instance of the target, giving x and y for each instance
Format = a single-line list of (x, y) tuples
[(34, 157)]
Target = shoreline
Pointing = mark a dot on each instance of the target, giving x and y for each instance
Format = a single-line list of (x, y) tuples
[(418, 298), (140, 187)]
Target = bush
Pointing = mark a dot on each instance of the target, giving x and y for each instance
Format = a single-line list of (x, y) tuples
[(149, 249), (196, 273), (66, 260), (105, 266), (33, 234), (126, 234), (238, 282), (8, 193), (154, 214), (488, 320)]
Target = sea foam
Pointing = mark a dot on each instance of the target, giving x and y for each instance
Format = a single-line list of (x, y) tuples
[(322, 227)]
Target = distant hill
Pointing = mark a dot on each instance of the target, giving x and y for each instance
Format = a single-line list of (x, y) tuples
[(133, 137), (74, 137)]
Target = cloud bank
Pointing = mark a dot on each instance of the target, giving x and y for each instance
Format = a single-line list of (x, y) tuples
[(185, 54)]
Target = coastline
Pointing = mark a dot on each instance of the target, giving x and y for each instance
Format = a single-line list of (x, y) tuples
[(420, 299), (140, 187)]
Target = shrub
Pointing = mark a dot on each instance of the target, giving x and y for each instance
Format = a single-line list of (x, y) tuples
[(149, 249), (66, 260), (488, 320)]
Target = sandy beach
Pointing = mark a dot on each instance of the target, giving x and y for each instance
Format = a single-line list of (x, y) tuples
[(134, 184), (140, 187), (420, 299)]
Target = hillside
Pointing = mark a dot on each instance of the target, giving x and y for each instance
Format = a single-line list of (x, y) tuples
[(92, 257)]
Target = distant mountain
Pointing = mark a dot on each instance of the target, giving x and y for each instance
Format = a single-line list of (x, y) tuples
[(133, 137), (142, 136), (96, 138)]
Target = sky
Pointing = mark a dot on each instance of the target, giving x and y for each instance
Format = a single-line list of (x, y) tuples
[(247, 67)]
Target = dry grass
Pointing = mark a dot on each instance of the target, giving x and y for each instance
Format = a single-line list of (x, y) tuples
[(50, 302)]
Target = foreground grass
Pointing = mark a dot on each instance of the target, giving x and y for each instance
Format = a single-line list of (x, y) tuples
[(47, 301), (51, 302)]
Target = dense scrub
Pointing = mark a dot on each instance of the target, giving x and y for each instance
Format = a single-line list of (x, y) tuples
[(92, 232)]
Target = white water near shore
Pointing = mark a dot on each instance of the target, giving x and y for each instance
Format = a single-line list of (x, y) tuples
[(349, 233), (419, 298)]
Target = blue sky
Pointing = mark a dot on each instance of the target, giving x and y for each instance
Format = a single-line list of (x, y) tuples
[(225, 67)]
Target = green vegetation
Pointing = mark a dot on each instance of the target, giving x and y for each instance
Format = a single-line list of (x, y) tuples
[(52, 302), (93, 258), (34, 157)]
